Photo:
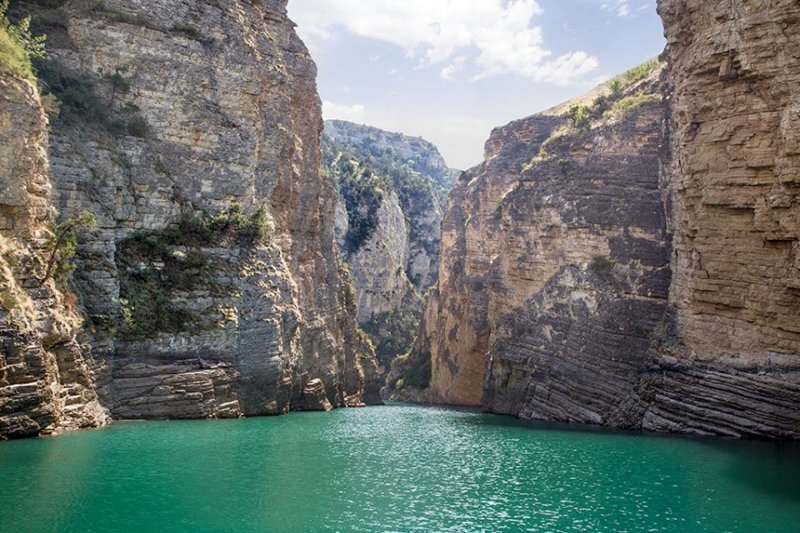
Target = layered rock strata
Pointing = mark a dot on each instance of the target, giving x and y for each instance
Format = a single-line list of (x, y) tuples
[(555, 268), (212, 284), (734, 184), (46, 375), (635, 265)]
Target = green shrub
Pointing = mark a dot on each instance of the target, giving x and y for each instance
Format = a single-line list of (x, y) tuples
[(62, 246), (146, 306), (18, 46), (393, 333), (614, 104), (632, 102), (637, 73), (580, 116), (77, 96), (228, 227), (601, 263)]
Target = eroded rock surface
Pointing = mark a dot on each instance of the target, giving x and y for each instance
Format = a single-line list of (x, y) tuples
[(46, 374), (554, 268), (734, 183), (390, 186), (640, 269), (212, 282)]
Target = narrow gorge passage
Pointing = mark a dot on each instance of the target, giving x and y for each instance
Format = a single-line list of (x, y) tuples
[(537, 269)]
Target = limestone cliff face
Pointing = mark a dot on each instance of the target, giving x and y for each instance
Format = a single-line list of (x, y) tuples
[(734, 183), (413, 169), (46, 378), (378, 266), (554, 267), (390, 185), (642, 270), (212, 285)]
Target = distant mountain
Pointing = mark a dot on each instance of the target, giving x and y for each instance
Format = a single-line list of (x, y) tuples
[(391, 187)]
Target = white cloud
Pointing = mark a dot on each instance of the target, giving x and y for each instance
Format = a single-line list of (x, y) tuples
[(352, 113), (495, 36), (621, 7), (449, 72)]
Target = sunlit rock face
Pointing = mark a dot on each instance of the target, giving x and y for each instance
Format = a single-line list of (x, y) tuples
[(46, 377), (638, 270), (212, 283), (395, 182), (555, 267), (734, 184)]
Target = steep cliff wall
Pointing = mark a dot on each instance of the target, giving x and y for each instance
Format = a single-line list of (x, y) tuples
[(555, 264), (46, 378), (212, 284), (388, 225), (734, 180), (641, 271)]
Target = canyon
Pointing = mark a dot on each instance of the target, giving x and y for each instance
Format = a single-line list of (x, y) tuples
[(211, 285), (387, 226), (628, 259), (632, 260)]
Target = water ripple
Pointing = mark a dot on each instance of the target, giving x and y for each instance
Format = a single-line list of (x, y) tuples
[(393, 468)]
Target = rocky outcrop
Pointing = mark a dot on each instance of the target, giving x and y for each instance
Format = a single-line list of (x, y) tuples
[(631, 262), (46, 376), (554, 265), (212, 284), (390, 185), (734, 184), (378, 266)]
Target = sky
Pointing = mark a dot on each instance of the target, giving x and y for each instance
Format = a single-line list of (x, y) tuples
[(451, 70)]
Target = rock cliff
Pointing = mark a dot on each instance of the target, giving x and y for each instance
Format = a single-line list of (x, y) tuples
[(734, 187), (212, 284), (390, 186), (46, 377), (632, 260), (554, 262)]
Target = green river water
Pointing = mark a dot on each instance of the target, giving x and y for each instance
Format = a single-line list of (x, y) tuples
[(393, 468)]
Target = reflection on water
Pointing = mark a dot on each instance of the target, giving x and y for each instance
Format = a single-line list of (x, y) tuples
[(394, 468)]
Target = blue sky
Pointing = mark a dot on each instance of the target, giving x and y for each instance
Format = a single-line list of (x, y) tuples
[(451, 70)]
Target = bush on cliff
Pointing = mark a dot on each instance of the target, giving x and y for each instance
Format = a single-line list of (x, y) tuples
[(63, 244), (18, 46)]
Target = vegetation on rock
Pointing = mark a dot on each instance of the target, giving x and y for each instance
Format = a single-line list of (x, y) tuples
[(618, 99), (63, 244), (393, 333), (368, 166), (155, 263), (18, 46)]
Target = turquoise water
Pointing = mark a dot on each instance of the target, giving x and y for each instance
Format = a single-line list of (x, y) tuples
[(393, 468)]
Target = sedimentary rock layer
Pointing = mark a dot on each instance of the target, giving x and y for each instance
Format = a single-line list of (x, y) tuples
[(46, 377), (554, 269), (212, 282), (734, 184), (581, 282)]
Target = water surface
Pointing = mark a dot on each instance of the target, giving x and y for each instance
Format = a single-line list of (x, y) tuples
[(393, 468)]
